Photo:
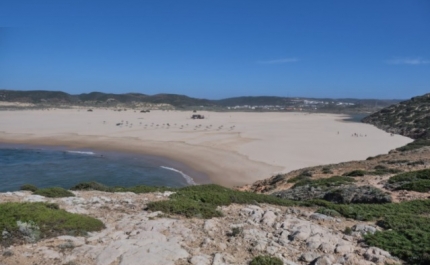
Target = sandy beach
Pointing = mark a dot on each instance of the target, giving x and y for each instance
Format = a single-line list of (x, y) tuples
[(231, 148)]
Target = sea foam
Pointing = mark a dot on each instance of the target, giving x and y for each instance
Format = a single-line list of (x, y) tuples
[(187, 178), (81, 152)]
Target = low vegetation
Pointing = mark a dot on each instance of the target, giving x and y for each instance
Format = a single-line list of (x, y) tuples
[(28, 187), (407, 237), (415, 180), (325, 182), (33, 221), (383, 170), (355, 173), (379, 170), (266, 260), (326, 170), (54, 192), (136, 189), (407, 224), (414, 145), (202, 201), (304, 175)]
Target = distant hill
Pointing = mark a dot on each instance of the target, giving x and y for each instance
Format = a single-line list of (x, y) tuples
[(35, 96), (182, 101), (410, 118), (99, 97)]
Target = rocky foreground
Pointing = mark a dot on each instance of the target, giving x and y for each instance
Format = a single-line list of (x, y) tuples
[(134, 235)]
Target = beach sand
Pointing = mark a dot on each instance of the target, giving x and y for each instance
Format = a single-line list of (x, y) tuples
[(230, 148)]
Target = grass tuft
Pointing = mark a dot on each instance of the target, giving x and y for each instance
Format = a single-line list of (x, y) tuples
[(28, 187), (54, 192), (266, 260)]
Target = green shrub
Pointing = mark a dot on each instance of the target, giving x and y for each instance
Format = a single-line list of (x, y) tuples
[(355, 173), (55, 192), (325, 182), (414, 145), (327, 170), (329, 212), (29, 187), (42, 220), (185, 207), (347, 230), (235, 231), (91, 186), (382, 170), (304, 175), (143, 189), (298, 178), (418, 185), (202, 200), (408, 236), (410, 176), (136, 189), (415, 180), (391, 162), (413, 246), (369, 212), (266, 260)]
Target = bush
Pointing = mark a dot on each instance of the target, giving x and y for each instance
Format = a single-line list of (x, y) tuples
[(202, 200), (297, 179), (235, 231), (408, 236), (325, 182), (355, 173), (327, 170), (411, 246), (304, 175), (383, 170), (91, 186), (41, 220), (29, 187), (266, 260), (186, 207), (410, 176), (415, 180), (347, 231), (370, 212), (136, 189), (418, 185), (55, 192), (414, 145)]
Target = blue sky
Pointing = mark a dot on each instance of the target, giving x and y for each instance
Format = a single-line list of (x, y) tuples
[(217, 49)]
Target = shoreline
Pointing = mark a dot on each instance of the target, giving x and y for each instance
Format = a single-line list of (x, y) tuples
[(203, 170), (230, 149)]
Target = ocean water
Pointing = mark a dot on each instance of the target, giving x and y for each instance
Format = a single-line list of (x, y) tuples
[(47, 167)]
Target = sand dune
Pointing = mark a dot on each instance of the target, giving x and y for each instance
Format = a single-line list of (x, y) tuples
[(231, 148)]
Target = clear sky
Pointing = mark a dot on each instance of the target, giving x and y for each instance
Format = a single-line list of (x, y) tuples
[(216, 49)]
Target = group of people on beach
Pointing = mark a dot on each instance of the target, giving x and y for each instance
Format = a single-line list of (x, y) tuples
[(358, 135)]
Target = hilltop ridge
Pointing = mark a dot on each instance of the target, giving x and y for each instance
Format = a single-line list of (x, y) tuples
[(409, 118), (254, 103)]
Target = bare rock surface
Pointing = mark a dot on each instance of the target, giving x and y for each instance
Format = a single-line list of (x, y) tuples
[(297, 236)]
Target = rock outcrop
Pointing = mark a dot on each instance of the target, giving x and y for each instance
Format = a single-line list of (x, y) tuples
[(298, 236), (410, 118)]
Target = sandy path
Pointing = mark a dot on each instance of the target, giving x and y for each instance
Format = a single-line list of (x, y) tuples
[(231, 148)]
